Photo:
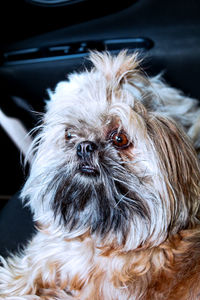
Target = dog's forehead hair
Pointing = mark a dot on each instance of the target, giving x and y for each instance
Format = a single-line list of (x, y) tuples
[(83, 102), (99, 117)]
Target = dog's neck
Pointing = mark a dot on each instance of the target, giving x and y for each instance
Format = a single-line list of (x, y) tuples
[(143, 269), (138, 270)]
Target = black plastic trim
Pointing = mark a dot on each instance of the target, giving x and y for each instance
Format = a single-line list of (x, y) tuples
[(73, 50), (54, 3)]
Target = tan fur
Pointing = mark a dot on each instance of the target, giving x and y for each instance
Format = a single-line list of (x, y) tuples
[(168, 271)]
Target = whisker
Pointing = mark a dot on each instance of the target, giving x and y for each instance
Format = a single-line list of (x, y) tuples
[(123, 196)]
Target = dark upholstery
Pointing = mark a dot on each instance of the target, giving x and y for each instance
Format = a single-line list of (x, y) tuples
[(16, 226)]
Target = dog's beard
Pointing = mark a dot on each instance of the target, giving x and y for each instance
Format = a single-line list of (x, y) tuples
[(105, 203), (122, 202)]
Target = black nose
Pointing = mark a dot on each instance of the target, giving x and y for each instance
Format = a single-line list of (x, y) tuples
[(85, 149)]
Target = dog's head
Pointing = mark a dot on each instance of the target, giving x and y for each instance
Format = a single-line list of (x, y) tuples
[(108, 164)]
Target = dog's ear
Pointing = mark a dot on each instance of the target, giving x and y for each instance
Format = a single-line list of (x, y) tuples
[(180, 166), (116, 69)]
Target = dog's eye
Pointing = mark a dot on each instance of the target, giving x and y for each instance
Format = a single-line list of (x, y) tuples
[(119, 139), (68, 135)]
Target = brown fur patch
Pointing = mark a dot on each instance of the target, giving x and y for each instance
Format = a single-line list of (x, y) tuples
[(179, 164)]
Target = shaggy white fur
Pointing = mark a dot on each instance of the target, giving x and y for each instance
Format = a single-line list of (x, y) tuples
[(113, 177)]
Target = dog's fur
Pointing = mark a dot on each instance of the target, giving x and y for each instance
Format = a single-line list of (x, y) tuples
[(130, 228)]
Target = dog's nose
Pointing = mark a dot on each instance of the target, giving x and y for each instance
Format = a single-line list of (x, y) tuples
[(85, 149)]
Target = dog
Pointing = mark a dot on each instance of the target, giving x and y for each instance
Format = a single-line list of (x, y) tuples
[(114, 188)]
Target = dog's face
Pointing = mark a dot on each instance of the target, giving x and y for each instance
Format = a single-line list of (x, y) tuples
[(108, 165)]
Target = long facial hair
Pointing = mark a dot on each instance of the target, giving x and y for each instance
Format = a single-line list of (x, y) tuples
[(104, 203)]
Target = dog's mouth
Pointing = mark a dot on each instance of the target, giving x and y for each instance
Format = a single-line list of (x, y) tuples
[(88, 170)]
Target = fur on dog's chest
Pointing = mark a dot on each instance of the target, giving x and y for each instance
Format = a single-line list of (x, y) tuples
[(86, 271)]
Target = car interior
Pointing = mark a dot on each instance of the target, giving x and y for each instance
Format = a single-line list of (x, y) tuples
[(42, 41)]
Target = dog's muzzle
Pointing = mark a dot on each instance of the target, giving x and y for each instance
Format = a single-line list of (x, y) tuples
[(85, 151)]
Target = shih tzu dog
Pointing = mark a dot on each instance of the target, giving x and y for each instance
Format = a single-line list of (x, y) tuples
[(114, 188)]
